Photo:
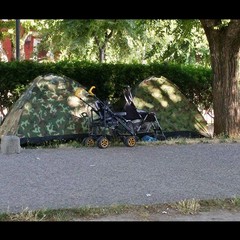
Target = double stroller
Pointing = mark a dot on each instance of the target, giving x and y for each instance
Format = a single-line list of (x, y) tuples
[(104, 124)]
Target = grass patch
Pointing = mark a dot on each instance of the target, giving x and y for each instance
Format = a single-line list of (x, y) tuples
[(118, 143), (186, 206), (25, 215)]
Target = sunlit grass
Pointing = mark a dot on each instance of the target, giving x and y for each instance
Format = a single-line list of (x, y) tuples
[(186, 206), (25, 215)]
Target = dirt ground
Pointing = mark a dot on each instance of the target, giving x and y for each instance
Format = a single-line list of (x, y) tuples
[(218, 215), (203, 216)]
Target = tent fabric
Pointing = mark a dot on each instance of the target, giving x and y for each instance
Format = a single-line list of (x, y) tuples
[(174, 111), (48, 108), (51, 108)]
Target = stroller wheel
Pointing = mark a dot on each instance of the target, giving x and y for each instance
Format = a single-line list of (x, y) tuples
[(88, 142), (129, 141), (102, 142), (161, 138)]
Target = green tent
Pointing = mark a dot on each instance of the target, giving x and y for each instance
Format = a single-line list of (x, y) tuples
[(176, 114), (48, 109)]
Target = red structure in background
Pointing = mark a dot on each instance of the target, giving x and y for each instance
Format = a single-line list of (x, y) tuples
[(28, 47), (7, 46), (30, 43)]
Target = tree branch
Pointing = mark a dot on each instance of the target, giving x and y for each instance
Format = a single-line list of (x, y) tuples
[(210, 23)]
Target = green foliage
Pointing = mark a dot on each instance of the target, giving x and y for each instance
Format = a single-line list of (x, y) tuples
[(109, 79), (189, 44), (236, 201), (7, 28), (117, 40), (87, 39), (125, 40)]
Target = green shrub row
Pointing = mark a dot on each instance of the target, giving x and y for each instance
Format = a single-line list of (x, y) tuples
[(109, 79)]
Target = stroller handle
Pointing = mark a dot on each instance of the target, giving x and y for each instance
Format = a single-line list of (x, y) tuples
[(90, 90)]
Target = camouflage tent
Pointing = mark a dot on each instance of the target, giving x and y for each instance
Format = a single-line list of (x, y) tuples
[(176, 114), (48, 109)]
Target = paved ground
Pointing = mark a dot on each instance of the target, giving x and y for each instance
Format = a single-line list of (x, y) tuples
[(76, 177)]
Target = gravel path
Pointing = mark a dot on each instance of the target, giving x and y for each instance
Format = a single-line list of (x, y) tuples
[(76, 177)]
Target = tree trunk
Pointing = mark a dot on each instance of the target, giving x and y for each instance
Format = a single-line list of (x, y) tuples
[(102, 47), (101, 55), (224, 47), (226, 92)]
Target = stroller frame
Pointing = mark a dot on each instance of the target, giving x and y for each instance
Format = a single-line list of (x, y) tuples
[(104, 123), (107, 124)]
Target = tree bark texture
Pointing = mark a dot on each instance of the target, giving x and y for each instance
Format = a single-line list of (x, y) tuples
[(224, 44)]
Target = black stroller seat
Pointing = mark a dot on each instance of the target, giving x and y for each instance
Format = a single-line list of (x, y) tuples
[(143, 122), (128, 126)]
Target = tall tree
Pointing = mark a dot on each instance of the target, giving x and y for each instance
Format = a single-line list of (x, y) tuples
[(224, 44), (189, 43), (125, 41), (80, 37)]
